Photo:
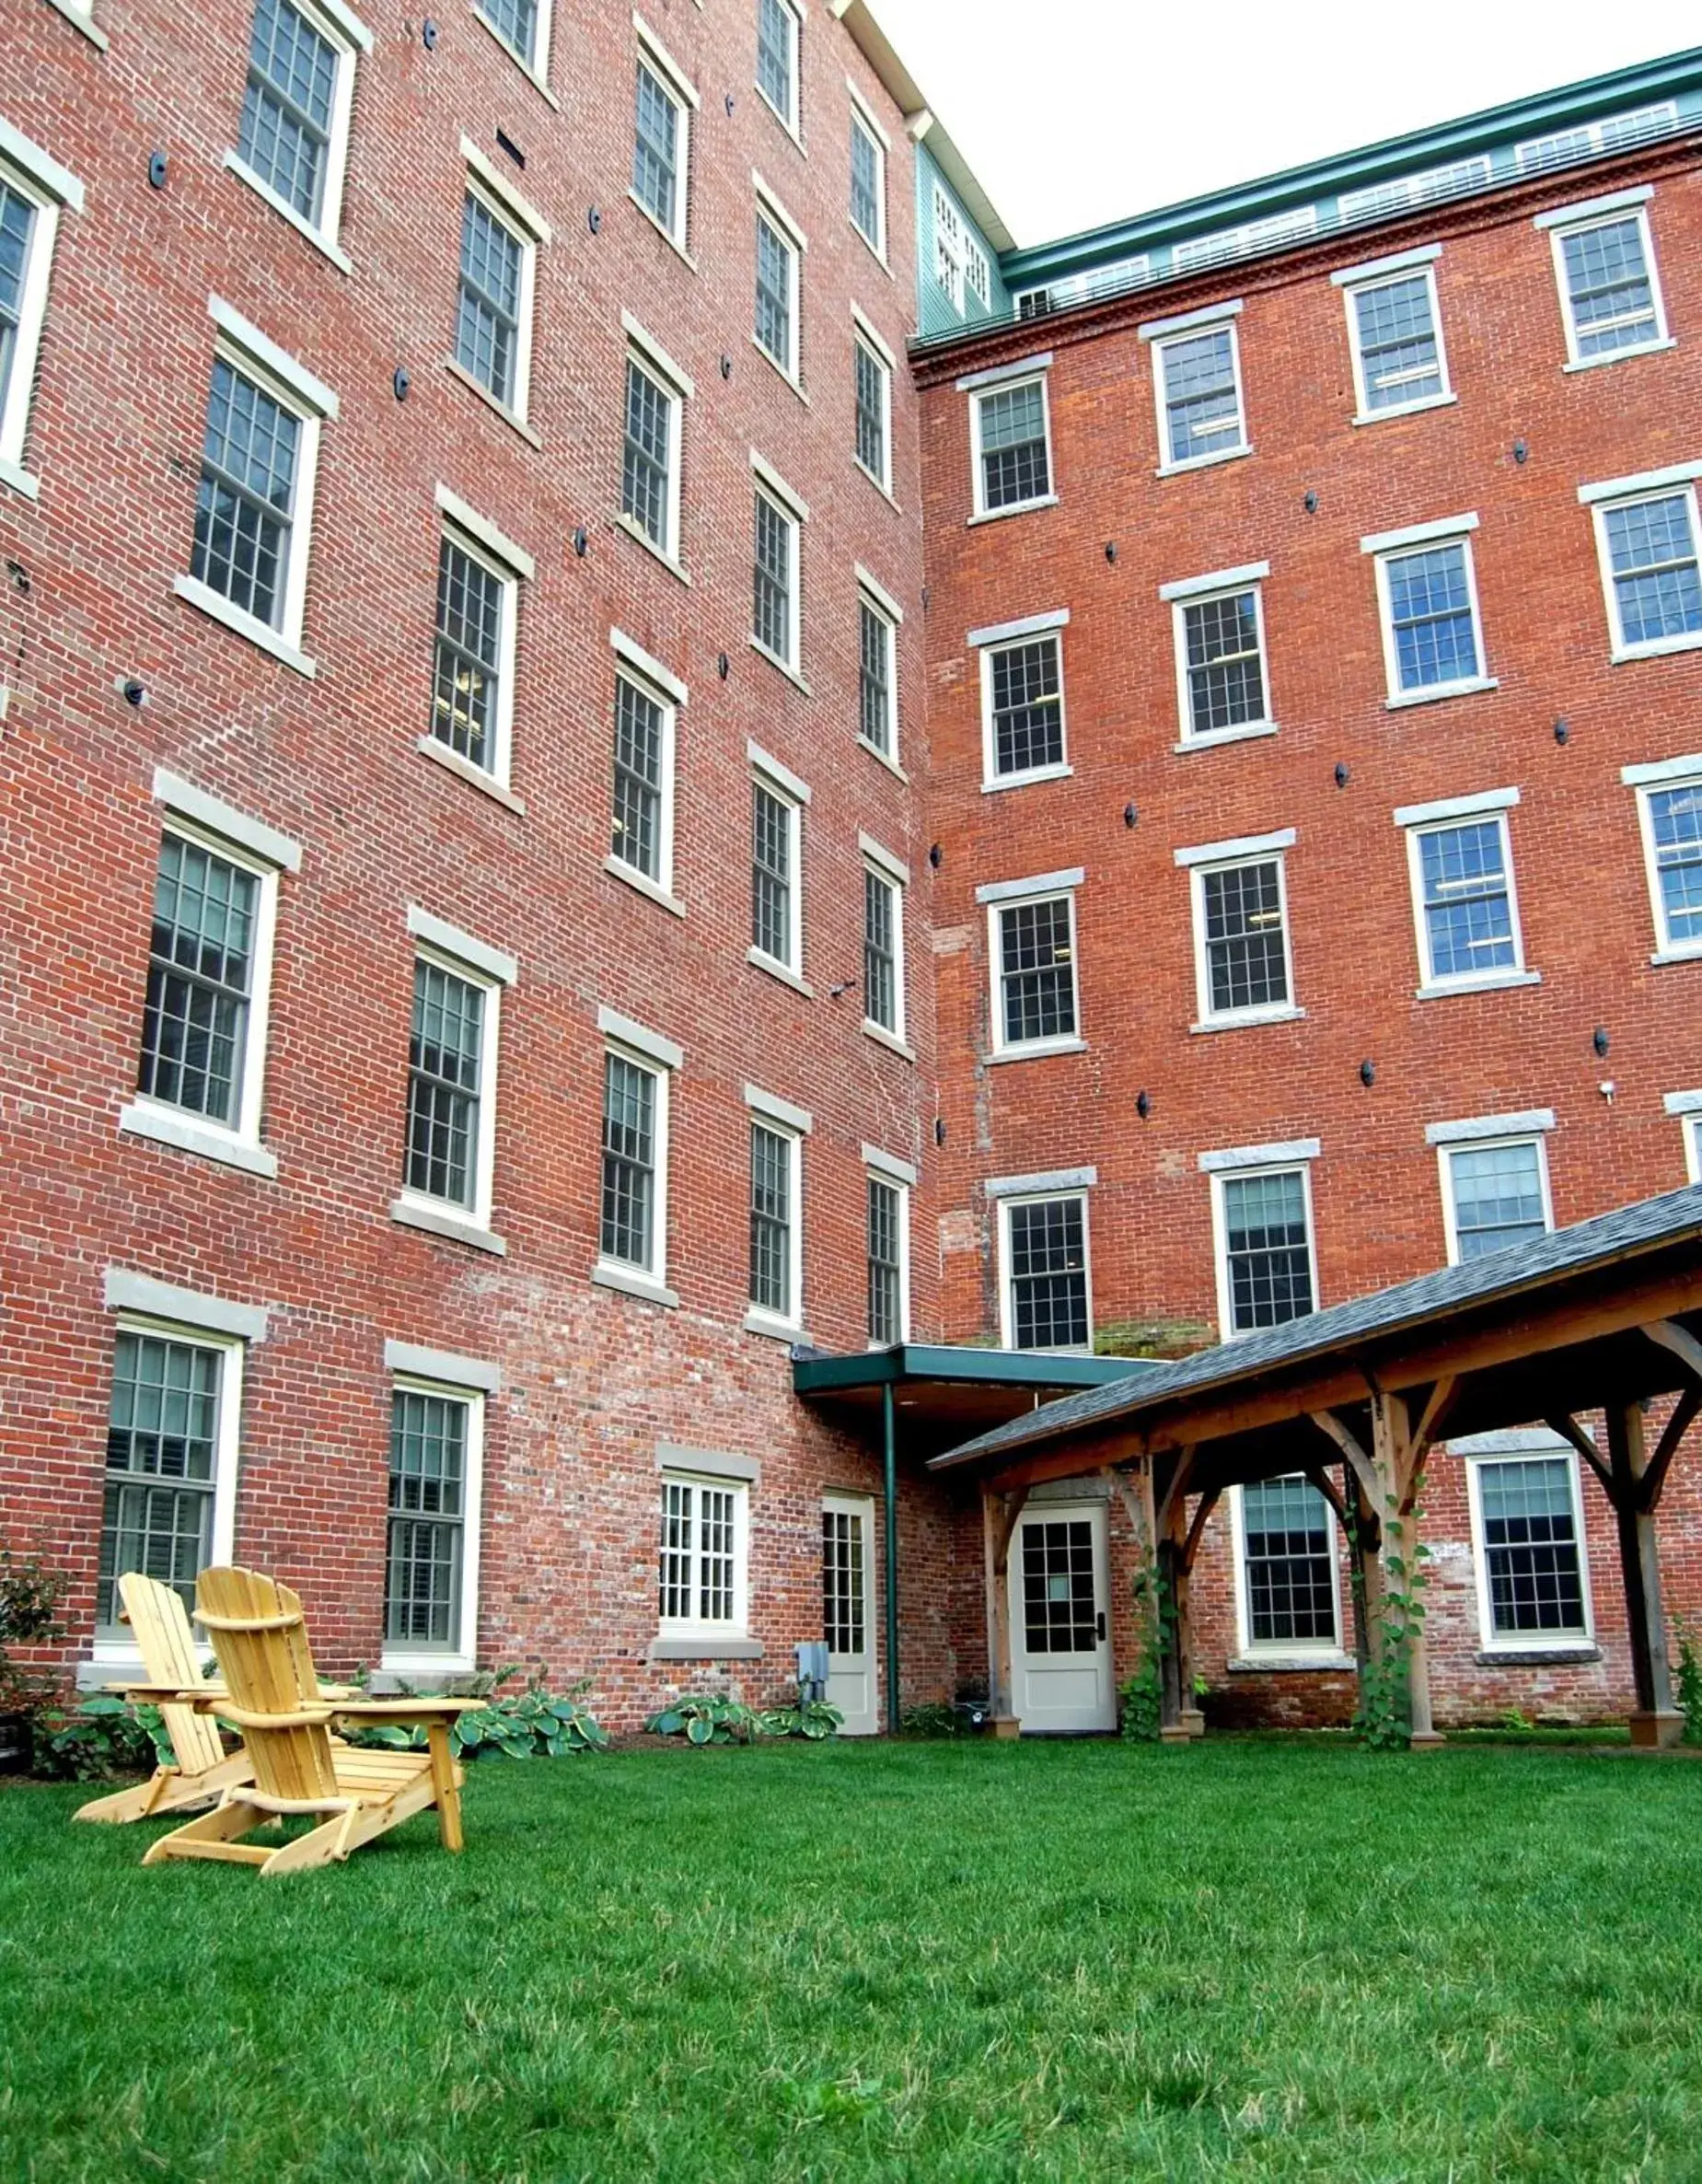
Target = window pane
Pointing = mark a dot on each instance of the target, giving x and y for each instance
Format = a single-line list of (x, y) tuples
[(443, 1085), (286, 111), (1048, 1275), (487, 326), (677, 1550), (428, 1484), (776, 37), (1676, 823), (772, 617), (162, 1439), (1467, 915), (656, 149), (645, 491), (1290, 1564), (1246, 965), (514, 22), (469, 655), (1498, 1197), (1607, 280), (1430, 610), (201, 968), (842, 1603), (1038, 971), (1531, 1546), (637, 837), (1266, 1242), (1029, 706), (770, 1221), (1201, 403), (1059, 1611), (865, 183), (1225, 679), (628, 1231), (875, 694), (17, 218), (716, 1538), (774, 279), (1398, 356), (245, 503), (885, 1286), (880, 951), (770, 875), (1653, 557), (871, 410), (1014, 458)]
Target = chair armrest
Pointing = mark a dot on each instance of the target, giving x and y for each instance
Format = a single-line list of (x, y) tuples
[(405, 1710), (167, 1695)]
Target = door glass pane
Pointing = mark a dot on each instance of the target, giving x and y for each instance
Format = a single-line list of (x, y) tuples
[(1059, 1613), (842, 1581)]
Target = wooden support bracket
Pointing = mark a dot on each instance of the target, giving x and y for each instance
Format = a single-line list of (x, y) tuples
[(1190, 1545), (1570, 1430)]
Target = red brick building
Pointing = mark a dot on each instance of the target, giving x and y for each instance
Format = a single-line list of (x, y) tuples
[(504, 850)]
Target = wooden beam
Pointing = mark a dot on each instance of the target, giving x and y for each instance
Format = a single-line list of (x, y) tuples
[(1570, 1430), (1364, 1471), (1677, 1426), (1317, 1476), (1190, 1545), (1679, 1341), (1178, 1486), (1640, 1562), (1434, 1415)]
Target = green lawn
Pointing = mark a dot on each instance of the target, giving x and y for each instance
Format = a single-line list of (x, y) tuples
[(976, 1961)]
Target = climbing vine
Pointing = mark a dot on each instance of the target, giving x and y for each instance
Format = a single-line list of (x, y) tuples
[(1143, 1693), (1385, 1716)]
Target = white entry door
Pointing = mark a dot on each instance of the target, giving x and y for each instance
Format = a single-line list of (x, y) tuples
[(848, 1610), (1060, 1642)]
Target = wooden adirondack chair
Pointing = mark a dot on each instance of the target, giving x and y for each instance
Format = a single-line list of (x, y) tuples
[(201, 1768), (272, 1695)]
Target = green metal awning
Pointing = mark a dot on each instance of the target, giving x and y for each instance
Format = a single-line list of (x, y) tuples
[(944, 1393)]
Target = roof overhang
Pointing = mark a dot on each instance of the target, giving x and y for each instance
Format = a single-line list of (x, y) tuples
[(941, 1392)]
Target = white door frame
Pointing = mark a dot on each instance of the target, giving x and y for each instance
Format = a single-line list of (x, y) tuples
[(854, 1681), (1073, 1693)]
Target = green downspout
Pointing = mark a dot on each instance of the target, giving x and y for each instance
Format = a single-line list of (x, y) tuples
[(889, 1438)]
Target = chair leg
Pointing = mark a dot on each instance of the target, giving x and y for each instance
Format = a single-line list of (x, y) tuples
[(123, 1805), (445, 1786), (232, 1818), (169, 1789)]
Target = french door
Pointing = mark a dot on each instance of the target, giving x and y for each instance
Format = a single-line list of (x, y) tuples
[(1061, 1639), (848, 1611)]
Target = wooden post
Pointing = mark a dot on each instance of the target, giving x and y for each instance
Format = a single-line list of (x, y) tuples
[(1656, 1720), (1177, 1692), (1397, 1457), (999, 1516)]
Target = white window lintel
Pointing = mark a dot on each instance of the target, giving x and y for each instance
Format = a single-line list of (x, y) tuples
[(260, 349), (1043, 883), (657, 356), (1027, 625), (1287, 1152), (442, 1366), (882, 858), (768, 476), (888, 1166), (1212, 314), (1244, 845), (483, 533), (1420, 534), (1449, 808), (627, 1032), (771, 204), (1190, 588), (1532, 1122), (477, 955), (647, 665), (235, 826), (708, 1463), (782, 777), (656, 52), (1617, 489), (40, 167), (521, 210), (1023, 367), (773, 1109), (1381, 269), (1039, 1186), (878, 594), (1643, 777), (1595, 208)]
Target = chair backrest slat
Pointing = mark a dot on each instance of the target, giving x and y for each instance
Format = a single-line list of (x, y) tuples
[(156, 1614), (269, 1671)]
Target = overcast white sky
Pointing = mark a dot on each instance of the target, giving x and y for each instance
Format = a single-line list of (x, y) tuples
[(1074, 113)]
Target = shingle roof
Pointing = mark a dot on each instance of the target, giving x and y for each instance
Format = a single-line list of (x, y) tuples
[(1648, 1223)]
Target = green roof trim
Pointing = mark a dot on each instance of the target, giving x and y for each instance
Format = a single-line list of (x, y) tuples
[(818, 1373)]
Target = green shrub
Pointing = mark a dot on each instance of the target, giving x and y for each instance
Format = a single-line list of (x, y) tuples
[(529, 1723), (705, 1717), (1689, 1679), (932, 1718), (32, 1592), (100, 1739), (813, 1718)]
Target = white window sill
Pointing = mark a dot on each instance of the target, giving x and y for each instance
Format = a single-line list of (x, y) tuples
[(1430, 402), (772, 1326), (1656, 647), (1037, 1049), (1023, 781), (1687, 951), (641, 884), (1504, 1654), (1248, 732), (1247, 1018), (878, 483), (1590, 363), (442, 1221), (623, 522), (511, 418), (451, 761), (189, 1134), (422, 1671), (790, 127), (775, 968), (668, 236), (116, 1660), (1444, 988), (1290, 1664), (1047, 500), (890, 1039), (708, 1647), (286, 211), (520, 60), (1401, 699), (219, 608), (1201, 463), (20, 480), (775, 365), (886, 759), (774, 660), (82, 21), (632, 1281)]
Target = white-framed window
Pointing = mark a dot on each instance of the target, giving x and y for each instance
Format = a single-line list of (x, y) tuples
[(1023, 700), (777, 801), (776, 1263), (869, 146), (1427, 600), (1669, 807), (664, 103), (960, 264), (200, 1076), (523, 26), (293, 142), (1395, 334), (479, 574), (777, 329), (1046, 1285), (878, 617), (449, 1154), (1528, 1544), (1609, 285), (1465, 899), (656, 394), (780, 39), (1686, 1109), (638, 1071), (34, 189), (1243, 959), (254, 505), (872, 368), (1010, 434), (885, 879), (1646, 543), (497, 286), (646, 713), (777, 602), (1288, 1570), (1031, 948), (1494, 1182), (435, 1478), (1262, 1232), (1222, 672), (1196, 385), (890, 1182), (703, 1557)]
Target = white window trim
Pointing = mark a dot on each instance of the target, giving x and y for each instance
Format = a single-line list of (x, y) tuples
[(1515, 1447), (481, 542), (1280, 1653), (794, 127), (1007, 1313), (50, 189), (792, 1125), (1189, 328), (1686, 1110), (668, 694), (681, 94), (1414, 265), (676, 386), (349, 37), (1668, 773), (865, 337), (881, 603), (1004, 382), (998, 901), (1198, 593), (794, 513), (678, 1630), (896, 874), (1396, 546), (1608, 212), (478, 964), (863, 117), (1292, 1159), (462, 1657), (1487, 1141), (899, 1175), (529, 229), (780, 224), (989, 643), (1676, 487), (784, 787), (538, 67), (1416, 820), (82, 18), (1273, 850), (659, 1058)]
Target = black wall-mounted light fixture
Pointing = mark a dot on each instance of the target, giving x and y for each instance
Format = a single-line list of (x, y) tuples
[(1132, 814), (938, 1129), (1311, 502), (594, 219), (428, 35), (1368, 1074), (1344, 774), (1600, 1042), (1521, 451), (156, 170), (582, 541), (135, 693), (726, 366), (401, 382), (732, 102), (1111, 550), (1563, 730), (723, 666), (1143, 1104), (936, 856)]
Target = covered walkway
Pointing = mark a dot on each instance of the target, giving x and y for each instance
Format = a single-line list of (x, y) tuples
[(1604, 1318)]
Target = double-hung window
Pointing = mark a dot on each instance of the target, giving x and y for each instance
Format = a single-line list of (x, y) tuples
[(1604, 267), (868, 177), (1285, 1540), (777, 616), (293, 145), (431, 1534), (872, 365), (1262, 1217), (780, 30), (878, 616), (1669, 796), (889, 1184), (500, 237), (1013, 456), (1031, 947), (478, 576), (1465, 901), (647, 700), (1427, 595), (663, 103), (1646, 545), (777, 802), (523, 26), (638, 1070), (253, 506), (779, 259), (1244, 969), (1532, 1582), (1494, 1182), (656, 396), (777, 1134), (1045, 1287), (450, 1139), (1223, 682), (1395, 334), (884, 882), (1197, 382), (33, 189), (1022, 700), (703, 1558)]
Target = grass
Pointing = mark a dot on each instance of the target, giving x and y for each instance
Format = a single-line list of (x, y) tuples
[(958, 1961)]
